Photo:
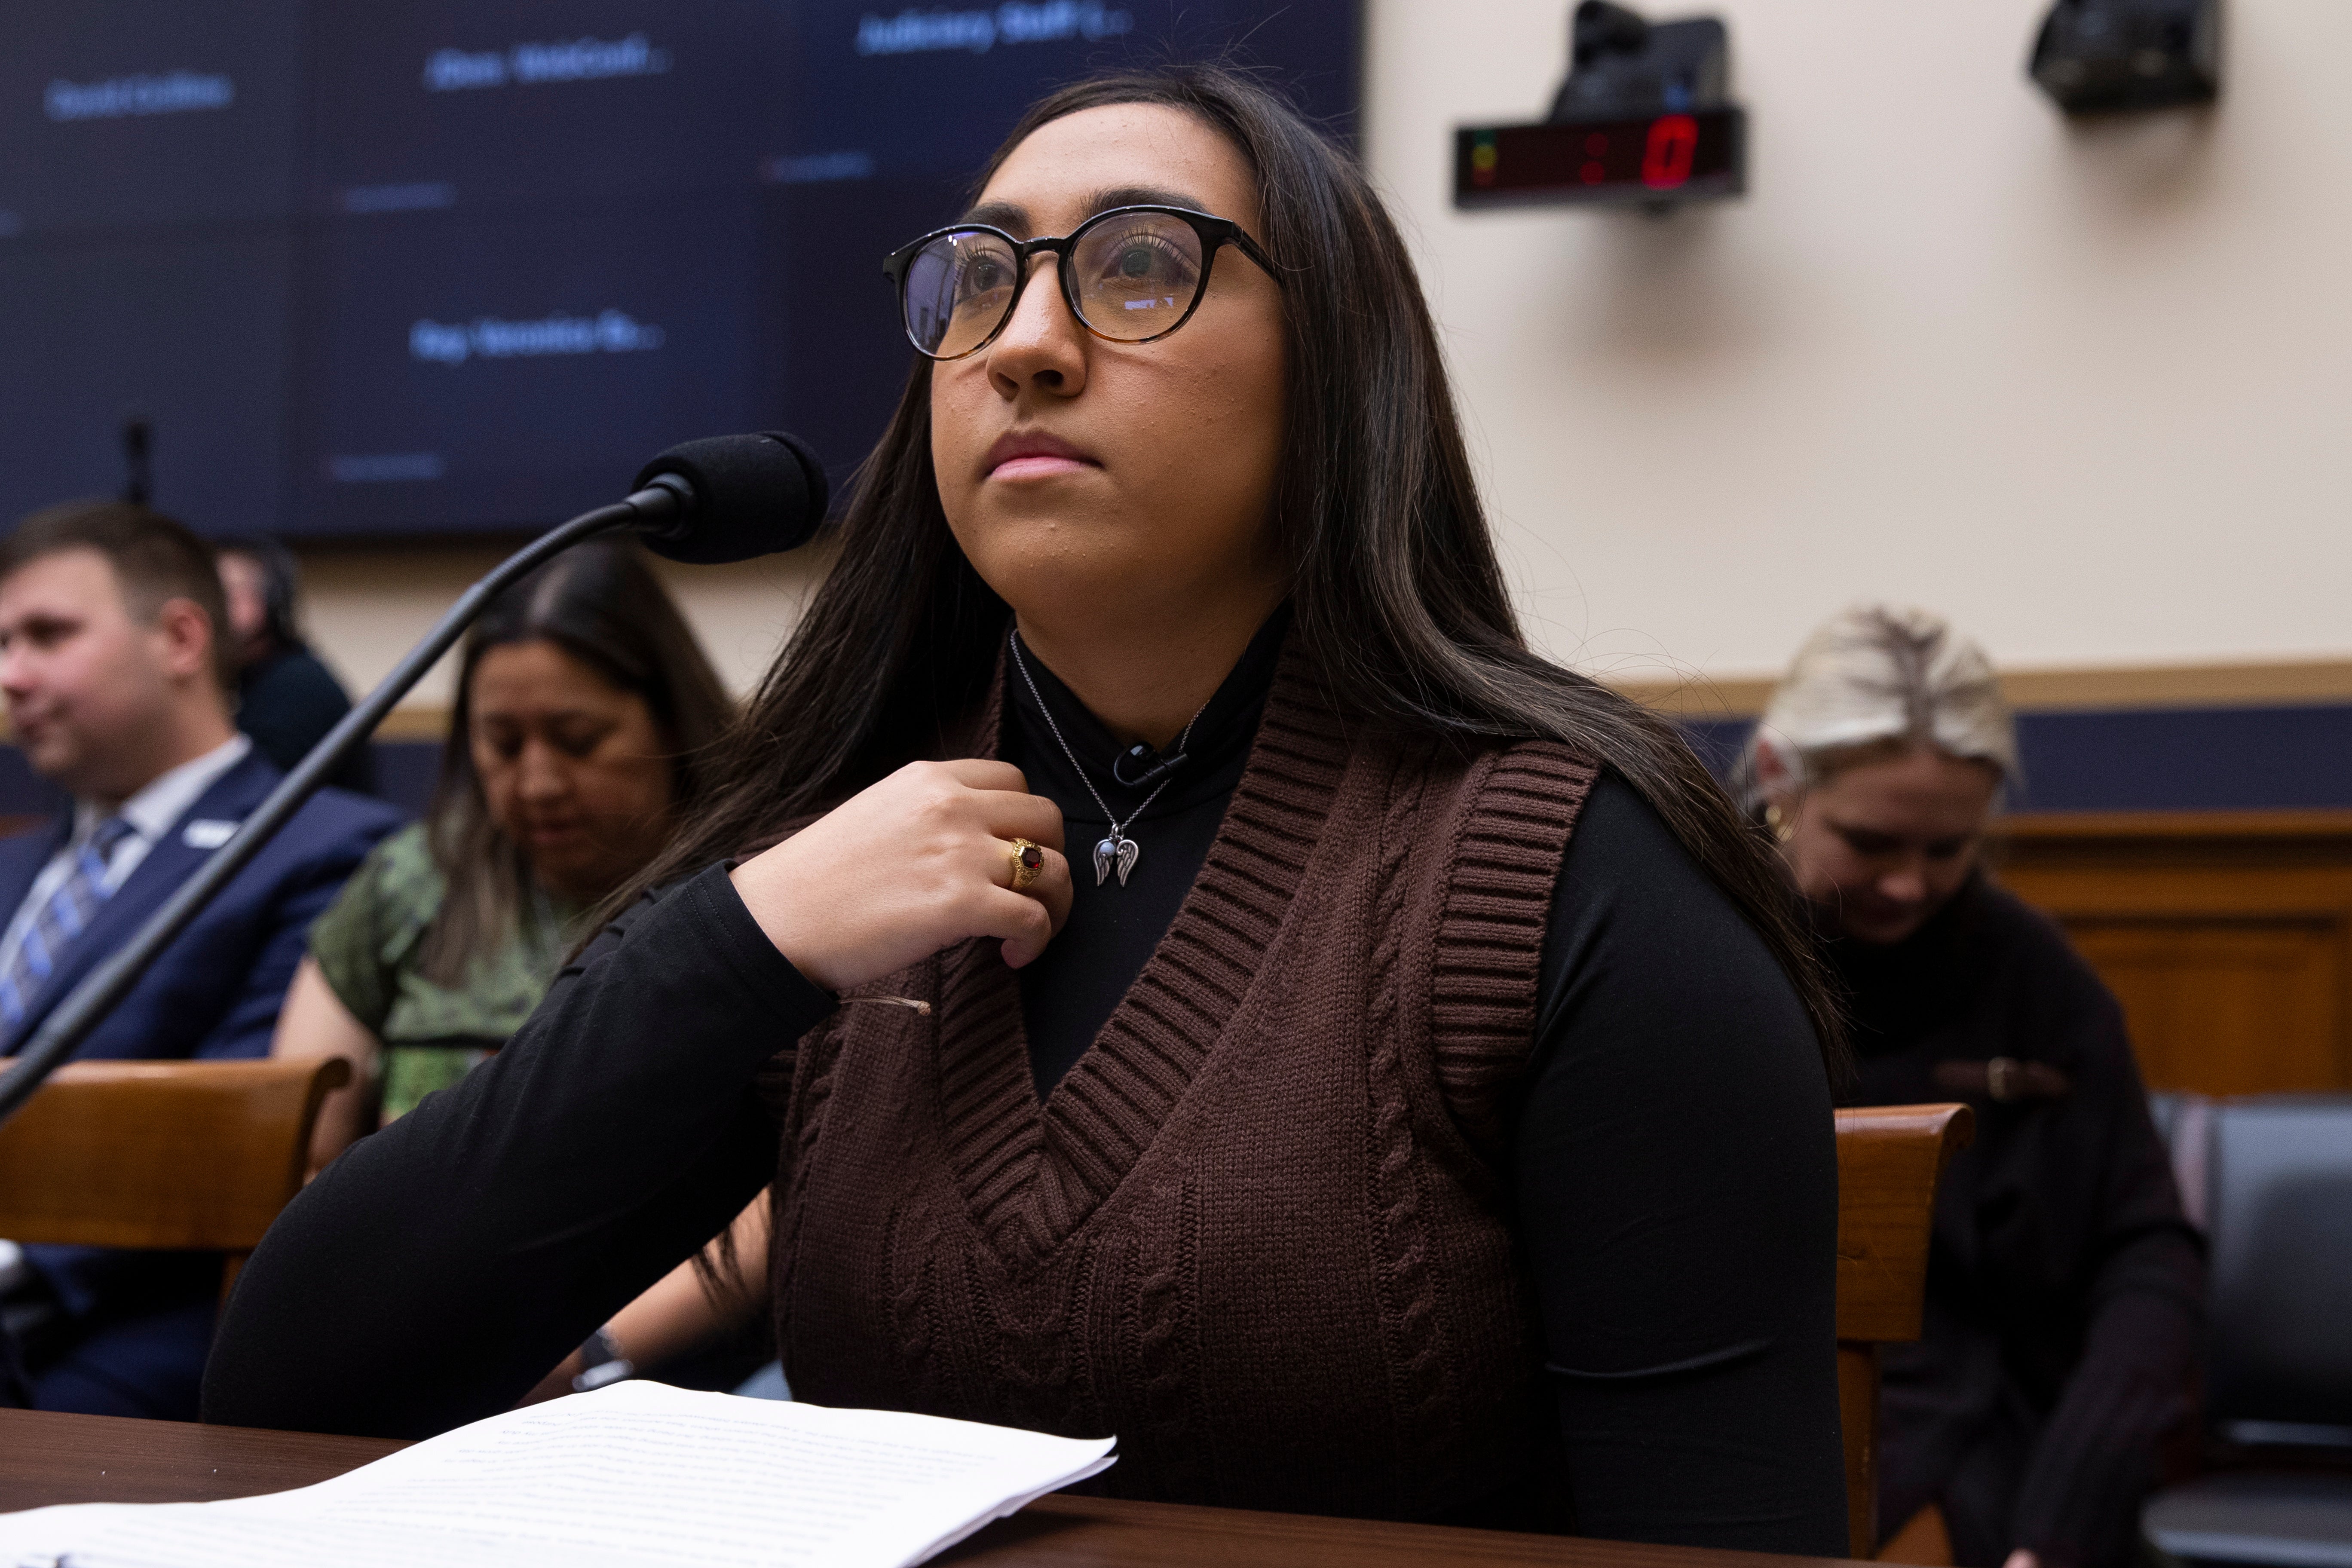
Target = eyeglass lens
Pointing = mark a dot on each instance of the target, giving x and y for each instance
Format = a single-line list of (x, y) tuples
[(1135, 277)]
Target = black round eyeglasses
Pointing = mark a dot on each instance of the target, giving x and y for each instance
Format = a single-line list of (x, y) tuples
[(1131, 275)]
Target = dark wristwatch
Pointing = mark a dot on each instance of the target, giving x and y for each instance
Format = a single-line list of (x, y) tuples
[(600, 1361)]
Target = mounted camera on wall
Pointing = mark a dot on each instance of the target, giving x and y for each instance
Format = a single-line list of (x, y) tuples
[(2104, 56), (1644, 119)]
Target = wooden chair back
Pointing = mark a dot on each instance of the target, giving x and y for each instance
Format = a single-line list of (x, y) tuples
[(1890, 1160), (196, 1155)]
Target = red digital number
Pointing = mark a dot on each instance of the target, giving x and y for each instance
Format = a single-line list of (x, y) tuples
[(1667, 160)]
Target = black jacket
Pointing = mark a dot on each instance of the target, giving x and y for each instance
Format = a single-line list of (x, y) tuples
[(288, 702), (2064, 1288)]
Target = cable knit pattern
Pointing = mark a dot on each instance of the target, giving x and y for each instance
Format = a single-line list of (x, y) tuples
[(795, 1085), (1159, 1345), (1254, 1231), (1415, 1333)]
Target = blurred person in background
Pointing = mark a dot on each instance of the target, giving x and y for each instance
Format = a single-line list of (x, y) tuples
[(584, 716), (118, 689), (287, 697), (2064, 1289)]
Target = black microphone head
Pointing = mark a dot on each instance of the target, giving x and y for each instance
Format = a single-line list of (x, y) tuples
[(752, 494)]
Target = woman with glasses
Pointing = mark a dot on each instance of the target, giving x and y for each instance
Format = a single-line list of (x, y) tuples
[(1188, 969)]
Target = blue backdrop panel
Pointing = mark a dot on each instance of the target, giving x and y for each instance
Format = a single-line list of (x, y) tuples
[(463, 265), (137, 114), (2182, 759), (487, 369), (2211, 759), (2197, 759), (190, 334)]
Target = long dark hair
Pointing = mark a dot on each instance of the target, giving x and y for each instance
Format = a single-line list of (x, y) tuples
[(281, 586), (1397, 594), (600, 603)]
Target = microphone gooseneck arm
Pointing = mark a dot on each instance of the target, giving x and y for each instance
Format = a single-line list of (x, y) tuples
[(70, 1022)]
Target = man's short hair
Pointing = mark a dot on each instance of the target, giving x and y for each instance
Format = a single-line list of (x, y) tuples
[(155, 559)]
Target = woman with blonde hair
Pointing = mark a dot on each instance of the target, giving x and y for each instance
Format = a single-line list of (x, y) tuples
[(2064, 1288)]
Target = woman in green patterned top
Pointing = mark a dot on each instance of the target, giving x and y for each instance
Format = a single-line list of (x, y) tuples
[(584, 708)]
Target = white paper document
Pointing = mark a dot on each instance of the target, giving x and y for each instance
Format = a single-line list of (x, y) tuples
[(637, 1474)]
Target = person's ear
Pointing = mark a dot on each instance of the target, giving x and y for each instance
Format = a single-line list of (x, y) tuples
[(1777, 776), (1776, 767), (183, 636)]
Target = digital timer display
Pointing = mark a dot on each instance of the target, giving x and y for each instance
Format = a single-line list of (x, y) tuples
[(1660, 160)]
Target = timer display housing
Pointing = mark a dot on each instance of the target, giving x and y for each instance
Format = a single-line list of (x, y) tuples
[(1655, 161)]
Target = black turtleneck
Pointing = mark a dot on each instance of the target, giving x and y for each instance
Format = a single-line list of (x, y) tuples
[(1672, 1175), (1077, 983), (2064, 1288)]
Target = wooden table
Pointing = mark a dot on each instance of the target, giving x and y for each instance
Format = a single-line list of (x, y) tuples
[(51, 1459)]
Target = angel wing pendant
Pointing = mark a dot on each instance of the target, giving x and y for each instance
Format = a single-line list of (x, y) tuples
[(1124, 850)]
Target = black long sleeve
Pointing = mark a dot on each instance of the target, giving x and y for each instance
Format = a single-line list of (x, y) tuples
[(1672, 1161), (435, 1271), (1677, 1186)]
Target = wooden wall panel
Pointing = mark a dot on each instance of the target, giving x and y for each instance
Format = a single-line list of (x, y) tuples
[(2225, 1009), (2227, 936)]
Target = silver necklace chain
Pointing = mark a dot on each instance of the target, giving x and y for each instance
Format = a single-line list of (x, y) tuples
[(1116, 848)]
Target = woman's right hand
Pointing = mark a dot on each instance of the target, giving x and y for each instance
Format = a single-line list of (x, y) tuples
[(918, 862)]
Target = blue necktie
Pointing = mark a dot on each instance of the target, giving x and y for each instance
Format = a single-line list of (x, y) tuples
[(64, 917)]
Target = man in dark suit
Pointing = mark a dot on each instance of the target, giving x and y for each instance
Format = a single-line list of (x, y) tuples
[(117, 682)]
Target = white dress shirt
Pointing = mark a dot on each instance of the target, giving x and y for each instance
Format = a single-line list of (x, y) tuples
[(153, 812)]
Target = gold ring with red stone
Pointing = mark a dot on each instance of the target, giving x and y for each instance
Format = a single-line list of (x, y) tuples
[(1028, 864)]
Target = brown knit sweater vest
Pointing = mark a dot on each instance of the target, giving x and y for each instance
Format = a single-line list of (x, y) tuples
[(1259, 1231)]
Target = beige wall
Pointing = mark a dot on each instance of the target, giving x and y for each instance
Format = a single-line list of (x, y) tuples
[(367, 608), (2082, 387)]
